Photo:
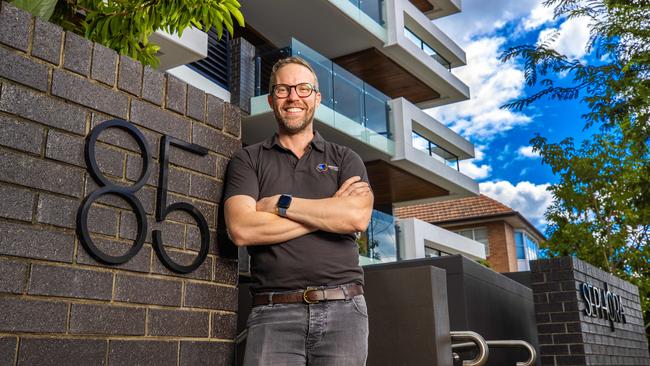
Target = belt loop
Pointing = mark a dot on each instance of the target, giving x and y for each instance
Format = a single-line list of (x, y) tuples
[(271, 298), (345, 292)]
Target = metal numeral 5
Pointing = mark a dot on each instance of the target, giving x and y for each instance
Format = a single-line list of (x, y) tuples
[(128, 194)]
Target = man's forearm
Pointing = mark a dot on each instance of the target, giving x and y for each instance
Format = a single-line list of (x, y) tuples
[(336, 214)]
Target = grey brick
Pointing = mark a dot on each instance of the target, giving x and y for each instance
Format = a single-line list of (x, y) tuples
[(57, 211), (207, 209), (15, 27), (29, 242), (172, 233), (8, 346), (21, 135), (16, 203), (208, 296), (130, 75), (215, 140), (205, 188), (178, 323), (32, 316), (149, 116), (95, 96), (206, 353), (23, 70), (146, 196), (66, 148), (105, 319), (142, 353), (215, 111), (13, 276), (104, 64), (177, 180), (145, 290), (232, 123), (193, 240), (70, 282), (56, 352), (153, 85), (43, 109), (222, 166), (41, 174), (120, 138), (226, 271), (110, 161), (176, 94), (204, 272), (195, 103), (206, 164), (47, 41), (139, 263), (77, 51), (224, 326)]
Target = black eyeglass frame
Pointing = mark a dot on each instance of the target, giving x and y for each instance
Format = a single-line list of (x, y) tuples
[(295, 87)]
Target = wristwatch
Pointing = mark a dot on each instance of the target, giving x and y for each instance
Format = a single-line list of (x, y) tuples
[(283, 204)]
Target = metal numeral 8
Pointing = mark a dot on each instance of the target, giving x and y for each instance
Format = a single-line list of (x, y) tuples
[(127, 193)]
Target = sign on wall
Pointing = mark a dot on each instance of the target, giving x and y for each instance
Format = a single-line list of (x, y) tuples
[(128, 194), (603, 304)]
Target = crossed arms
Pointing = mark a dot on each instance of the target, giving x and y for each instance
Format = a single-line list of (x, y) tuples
[(257, 223)]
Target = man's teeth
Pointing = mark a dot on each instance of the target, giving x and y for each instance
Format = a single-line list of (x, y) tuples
[(292, 110)]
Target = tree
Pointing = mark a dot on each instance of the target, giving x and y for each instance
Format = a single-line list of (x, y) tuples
[(601, 207), (126, 25)]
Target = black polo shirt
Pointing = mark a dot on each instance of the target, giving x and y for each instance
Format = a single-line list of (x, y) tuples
[(317, 259)]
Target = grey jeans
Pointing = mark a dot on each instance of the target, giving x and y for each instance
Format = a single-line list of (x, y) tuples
[(329, 333)]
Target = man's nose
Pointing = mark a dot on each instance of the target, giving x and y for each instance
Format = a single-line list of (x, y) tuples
[(293, 94)]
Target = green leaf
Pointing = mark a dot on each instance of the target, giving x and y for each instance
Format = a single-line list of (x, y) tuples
[(40, 8)]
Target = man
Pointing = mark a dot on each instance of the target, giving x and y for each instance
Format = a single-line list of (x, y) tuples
[(296, 201)]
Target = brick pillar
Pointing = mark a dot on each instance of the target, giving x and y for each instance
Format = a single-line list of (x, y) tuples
[(59, 305), (242, 73)]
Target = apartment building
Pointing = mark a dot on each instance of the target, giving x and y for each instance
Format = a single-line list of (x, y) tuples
[(379, 64), (510, 240)]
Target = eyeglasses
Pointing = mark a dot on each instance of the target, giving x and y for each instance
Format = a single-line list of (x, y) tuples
[(303, 90)]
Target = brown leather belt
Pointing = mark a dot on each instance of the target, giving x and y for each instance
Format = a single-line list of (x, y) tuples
[(311, 295)]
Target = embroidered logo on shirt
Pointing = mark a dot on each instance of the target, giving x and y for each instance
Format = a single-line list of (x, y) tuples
[(322, 167)]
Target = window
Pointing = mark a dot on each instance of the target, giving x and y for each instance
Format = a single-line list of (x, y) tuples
[(423, 144), (527, 248), (479, 234), (432, 253)]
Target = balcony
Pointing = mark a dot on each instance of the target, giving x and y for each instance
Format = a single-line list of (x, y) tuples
[(366, 37), (420, 239), (379, 243), (379, 129), (435, 9)]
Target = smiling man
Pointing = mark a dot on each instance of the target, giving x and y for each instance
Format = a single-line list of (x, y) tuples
[(296, 201)]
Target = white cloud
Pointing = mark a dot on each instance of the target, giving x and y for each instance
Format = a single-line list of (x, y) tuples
[(473, 170), (571, 37), (527, 152), (539, 16), (481, 17), (530, 200), (492, 84)]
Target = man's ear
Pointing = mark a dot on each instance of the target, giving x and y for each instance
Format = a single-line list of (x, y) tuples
[(318, 96), (270, 99)]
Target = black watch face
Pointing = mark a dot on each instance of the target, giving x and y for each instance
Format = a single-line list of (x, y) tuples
[(284, 201)]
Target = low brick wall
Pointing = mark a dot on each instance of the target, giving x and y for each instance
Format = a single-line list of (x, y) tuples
[(567, 334), (58, 305)]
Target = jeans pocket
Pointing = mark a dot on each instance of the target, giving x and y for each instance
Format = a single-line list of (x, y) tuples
[(256, 311), (359, 303)]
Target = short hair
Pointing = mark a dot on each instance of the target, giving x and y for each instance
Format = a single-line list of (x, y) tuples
[(291, 60)]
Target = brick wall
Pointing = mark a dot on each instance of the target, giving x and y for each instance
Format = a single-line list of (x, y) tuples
[(502, 256), (58, 304), (568, 336)]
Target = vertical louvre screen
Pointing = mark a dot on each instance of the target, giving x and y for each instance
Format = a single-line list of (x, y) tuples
[(216, 66)]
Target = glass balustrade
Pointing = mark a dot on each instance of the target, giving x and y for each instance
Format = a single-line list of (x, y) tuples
[(379, 243), (353, 106), (426, 48), (372, 8), (423, 144)]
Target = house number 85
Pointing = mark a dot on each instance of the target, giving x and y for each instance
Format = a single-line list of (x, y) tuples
[(128, 194)]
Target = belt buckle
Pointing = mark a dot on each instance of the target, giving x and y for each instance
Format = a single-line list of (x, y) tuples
[(306, 292)]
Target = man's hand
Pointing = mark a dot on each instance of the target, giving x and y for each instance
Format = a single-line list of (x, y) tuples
[(268, 204), (353, 186)]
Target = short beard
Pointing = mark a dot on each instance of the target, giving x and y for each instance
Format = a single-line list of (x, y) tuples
[(293, 130)]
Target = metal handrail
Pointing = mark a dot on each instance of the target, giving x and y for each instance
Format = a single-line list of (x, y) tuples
[(476, 341), (532, 353)]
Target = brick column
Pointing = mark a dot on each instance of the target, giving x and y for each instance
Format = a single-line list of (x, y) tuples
[(242, 73), (58, 305)]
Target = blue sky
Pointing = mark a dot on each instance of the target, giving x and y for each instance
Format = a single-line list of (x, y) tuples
[(505, 166)]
